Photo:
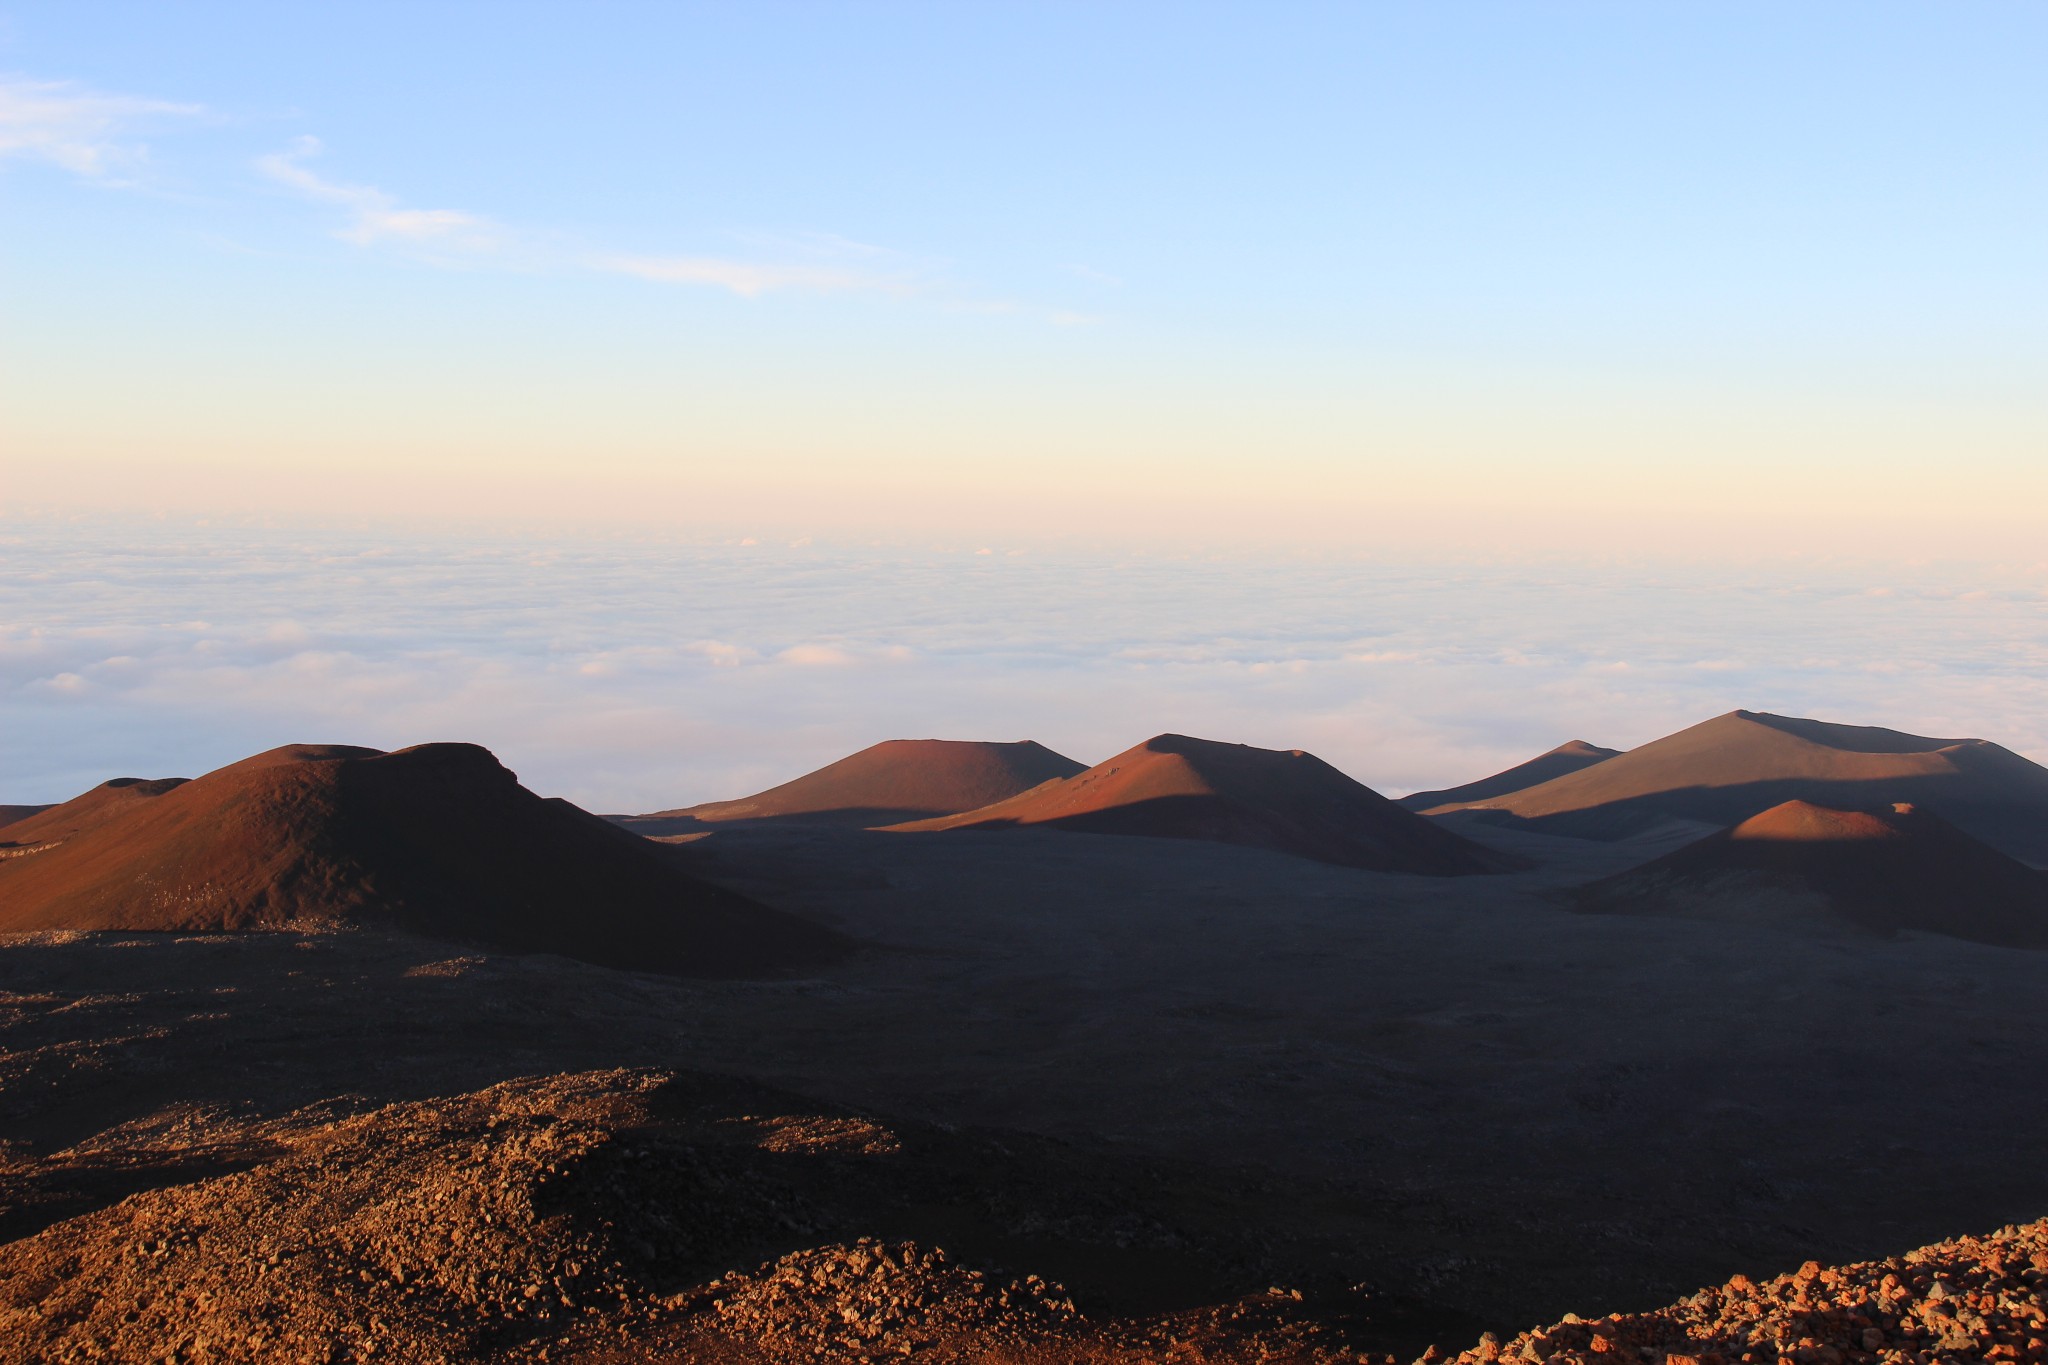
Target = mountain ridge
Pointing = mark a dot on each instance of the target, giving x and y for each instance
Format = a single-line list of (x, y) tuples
[(1289, 801), (1728, 768), (438, 839)]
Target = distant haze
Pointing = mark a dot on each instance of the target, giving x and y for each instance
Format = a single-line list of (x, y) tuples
[(645, 673)]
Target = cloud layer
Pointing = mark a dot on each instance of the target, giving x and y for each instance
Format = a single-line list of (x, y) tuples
[(644, 674)]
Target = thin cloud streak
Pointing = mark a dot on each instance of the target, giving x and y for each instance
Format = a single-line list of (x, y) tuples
[(751, 279), (82, 131), (378, 219), (377, 216), (89, 133)]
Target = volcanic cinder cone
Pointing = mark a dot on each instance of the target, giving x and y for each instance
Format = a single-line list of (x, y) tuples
[(108, 801), (1569, 757), (1901, 868), (1175, 787), (896, 780), (439, 839), (1727, 769), (14, 815)]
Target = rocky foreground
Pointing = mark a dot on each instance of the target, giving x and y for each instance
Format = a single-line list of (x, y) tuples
[(1973, 1298), (610, 1215), (633, 1215)]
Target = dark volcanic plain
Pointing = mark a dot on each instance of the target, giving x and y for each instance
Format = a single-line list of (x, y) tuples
[(1166, 1078)]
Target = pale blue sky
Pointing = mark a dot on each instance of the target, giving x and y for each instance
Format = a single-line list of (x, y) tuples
[(1438, 292), (854, 261)]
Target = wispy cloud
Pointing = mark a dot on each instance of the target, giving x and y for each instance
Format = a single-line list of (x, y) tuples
[(807, 263), (375, 216), (93, 134), (750, 279), (84, 131)]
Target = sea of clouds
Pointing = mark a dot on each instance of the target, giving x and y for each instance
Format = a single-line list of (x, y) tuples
[(638, 673)]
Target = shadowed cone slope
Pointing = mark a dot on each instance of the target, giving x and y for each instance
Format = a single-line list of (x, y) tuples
[(438, 839), (1175, 787), (1727, 769), (886, 783), (1883, 871), (1568, 757)]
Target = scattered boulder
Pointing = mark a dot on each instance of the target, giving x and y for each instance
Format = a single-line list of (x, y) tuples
[(1973, 1298)]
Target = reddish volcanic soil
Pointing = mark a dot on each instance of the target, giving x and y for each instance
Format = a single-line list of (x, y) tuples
[(896, 780), (629, 1215), (1971, 1298), (1105, 1099), (1727, 769), (439, 838), (108, 801), (1568, 757), (1885, 871), (587, 1218), (14, 814), (1174, 787)]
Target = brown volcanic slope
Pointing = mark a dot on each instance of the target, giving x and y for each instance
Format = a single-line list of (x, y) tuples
[(1898, 869), (1568, 757), (1727, 769), (14, 814), (896, 780), (1174, 787), (440, 839), (108, 801)]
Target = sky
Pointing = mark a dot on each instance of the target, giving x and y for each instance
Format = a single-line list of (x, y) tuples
[(676, 397), (1735, 276)]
